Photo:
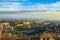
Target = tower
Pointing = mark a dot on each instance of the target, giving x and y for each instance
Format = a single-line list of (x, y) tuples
[(1, 29)]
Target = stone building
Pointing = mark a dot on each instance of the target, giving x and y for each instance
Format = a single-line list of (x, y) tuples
[(48, 36)]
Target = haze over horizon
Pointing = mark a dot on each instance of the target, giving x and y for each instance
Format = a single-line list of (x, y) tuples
[(49, 15)]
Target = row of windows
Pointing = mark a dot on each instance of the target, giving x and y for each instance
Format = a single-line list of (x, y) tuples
[(45, 39)]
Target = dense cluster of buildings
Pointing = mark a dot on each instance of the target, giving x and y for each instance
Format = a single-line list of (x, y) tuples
[(50, 29), (6, 26)]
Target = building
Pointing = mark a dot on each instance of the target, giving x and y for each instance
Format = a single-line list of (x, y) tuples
[(48, 36), (27, 23), (1, 28)]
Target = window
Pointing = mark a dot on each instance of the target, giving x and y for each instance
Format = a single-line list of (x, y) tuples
[(47, 38), (43, 38)]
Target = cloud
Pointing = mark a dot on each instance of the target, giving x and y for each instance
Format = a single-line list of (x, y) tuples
[(16, 6), (24, 0), (10, 6), (52, 6), (13, 0)]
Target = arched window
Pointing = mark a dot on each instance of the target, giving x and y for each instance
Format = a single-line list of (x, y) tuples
[(43, 38), (47, 38)]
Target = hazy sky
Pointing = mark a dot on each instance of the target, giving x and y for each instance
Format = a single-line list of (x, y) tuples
[(50, 15), (17, 5)]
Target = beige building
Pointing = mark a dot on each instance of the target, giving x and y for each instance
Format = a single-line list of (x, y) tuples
[(48, 36), (27, 23), (1, 28), (20, 25)]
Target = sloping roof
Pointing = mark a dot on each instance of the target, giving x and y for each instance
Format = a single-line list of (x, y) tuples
[(48, 35)]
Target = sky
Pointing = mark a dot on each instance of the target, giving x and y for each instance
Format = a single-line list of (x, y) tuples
[(18, 5)]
